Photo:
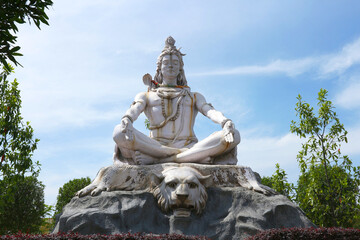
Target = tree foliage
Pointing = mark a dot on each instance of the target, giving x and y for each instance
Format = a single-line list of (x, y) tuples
[(68, 190), (328, 185), (16, 138), (21, 204), (13, 12), (21, 194), (278, 182), (328, 188), (317, 202)]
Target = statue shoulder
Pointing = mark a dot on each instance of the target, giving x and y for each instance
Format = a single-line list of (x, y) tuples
[(199, 97), (201, 103), (141, 97)]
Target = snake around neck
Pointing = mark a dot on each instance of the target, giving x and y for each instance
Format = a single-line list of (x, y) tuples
[(170, 94)]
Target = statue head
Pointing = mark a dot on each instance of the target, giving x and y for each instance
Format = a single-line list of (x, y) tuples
[(181, 189), (169, 51)]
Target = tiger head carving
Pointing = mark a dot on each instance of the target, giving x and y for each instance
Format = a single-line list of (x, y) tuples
[(182, 190)]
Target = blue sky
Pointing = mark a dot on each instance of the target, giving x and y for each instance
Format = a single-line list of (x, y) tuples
[(249, 59)]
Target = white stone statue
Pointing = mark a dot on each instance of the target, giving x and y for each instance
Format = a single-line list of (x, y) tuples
[(171, 163), (171, 109)]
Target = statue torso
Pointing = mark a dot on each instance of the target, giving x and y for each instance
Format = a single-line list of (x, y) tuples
[(171, 112)]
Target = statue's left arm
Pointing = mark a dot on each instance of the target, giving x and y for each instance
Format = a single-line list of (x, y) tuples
[(216, 116)]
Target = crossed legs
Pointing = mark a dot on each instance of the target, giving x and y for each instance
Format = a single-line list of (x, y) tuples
[(144, 150)]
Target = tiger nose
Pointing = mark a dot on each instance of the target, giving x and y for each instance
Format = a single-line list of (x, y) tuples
[(182, 193)]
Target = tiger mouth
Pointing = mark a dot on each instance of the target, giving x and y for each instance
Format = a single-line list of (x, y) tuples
[(182, 212), (183, 206)]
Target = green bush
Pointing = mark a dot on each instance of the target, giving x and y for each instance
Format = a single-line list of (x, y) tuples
[(22, 205), (278, 182), (307, 233), (120, 236), (67, 192), (342, 200)]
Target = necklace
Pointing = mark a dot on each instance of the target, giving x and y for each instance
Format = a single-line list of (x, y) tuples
[(173, 115), (172, 86)]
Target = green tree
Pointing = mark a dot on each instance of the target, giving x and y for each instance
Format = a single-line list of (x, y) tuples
[(21, 204), (67, 192), (14, 12), (278, 182), (21, 195), (16, 143), (19, 208), (310, 194), (328, 187)]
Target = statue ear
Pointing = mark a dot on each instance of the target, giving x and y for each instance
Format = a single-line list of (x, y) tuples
[(155, 179), (207, 180)]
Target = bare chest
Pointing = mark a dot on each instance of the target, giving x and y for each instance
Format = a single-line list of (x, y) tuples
[(171, 106)]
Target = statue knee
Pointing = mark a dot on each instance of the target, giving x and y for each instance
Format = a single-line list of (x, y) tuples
[(118, 135), (237, 137)]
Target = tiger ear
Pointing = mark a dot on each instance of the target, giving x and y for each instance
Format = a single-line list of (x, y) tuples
[(207, 180), (155, 179)]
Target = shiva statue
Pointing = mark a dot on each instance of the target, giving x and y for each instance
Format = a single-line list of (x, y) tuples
[(171, 108)]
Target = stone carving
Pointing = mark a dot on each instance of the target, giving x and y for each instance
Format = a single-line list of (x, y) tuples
[(171, 108), (168, 180), (231, 213), (181, 189)]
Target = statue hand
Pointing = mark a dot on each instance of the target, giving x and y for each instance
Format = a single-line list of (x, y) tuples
[(127, 128), (229, 131)]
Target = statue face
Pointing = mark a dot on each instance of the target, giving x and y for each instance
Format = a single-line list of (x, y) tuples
[(170, 66)]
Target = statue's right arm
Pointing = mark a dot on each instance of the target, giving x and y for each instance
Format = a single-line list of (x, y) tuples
[(136, 108)]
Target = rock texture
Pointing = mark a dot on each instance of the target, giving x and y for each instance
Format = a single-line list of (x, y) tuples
[(230, 213)]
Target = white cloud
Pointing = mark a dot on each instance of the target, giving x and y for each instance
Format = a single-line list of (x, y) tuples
[(341, 61), (64, 104), (262, 153), (335, 63), (288, 67), (350, 96)]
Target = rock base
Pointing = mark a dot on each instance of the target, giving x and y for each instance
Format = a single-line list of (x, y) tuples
[(230, 213)]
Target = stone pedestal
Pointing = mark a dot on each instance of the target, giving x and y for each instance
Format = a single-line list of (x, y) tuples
[(230, 213)]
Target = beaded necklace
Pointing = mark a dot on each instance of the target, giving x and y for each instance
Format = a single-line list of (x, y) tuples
[(169, 95), (172, 86)]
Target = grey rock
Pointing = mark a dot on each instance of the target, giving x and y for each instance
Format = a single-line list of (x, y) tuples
[(230, 213)]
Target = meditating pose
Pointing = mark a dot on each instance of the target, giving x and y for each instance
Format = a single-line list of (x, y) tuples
[(171, 109)]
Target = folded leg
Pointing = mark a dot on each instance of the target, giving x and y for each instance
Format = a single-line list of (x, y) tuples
[(210, 147), (141, 147)]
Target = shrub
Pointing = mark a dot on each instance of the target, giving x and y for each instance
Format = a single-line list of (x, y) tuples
[(22, 204), (308, 233), (67, 192), (123, 236)]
